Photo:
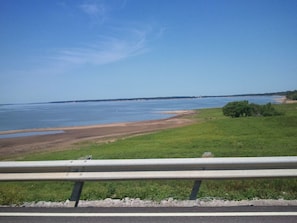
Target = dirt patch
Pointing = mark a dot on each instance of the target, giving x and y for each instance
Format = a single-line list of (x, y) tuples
[(11, 147)]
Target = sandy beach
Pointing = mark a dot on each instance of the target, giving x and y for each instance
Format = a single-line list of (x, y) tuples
[(284, 100), (10, 147)]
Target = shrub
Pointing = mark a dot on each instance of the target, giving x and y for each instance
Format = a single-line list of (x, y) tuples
[(237, 109), (256, 110), (269, 110)]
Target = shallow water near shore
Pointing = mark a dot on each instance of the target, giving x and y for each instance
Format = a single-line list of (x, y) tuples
[(52, 115), (25, 134)]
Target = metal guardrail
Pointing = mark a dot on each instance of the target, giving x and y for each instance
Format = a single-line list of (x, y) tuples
[(149, 169), (232, 163), (150, 175)]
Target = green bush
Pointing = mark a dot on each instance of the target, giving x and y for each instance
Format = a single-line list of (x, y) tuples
[(237, 109), (269, 110)]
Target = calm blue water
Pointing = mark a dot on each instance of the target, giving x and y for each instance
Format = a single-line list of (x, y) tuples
[(34, 116)]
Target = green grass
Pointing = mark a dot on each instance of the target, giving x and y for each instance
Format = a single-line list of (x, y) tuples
[(223, 136)]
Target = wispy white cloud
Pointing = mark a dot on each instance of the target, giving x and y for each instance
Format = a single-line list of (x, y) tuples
[(100, 10), (93, 9), (106, 49), (126, 43), (116, 40)]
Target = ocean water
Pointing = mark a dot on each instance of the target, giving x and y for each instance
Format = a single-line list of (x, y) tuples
[(47, 115)]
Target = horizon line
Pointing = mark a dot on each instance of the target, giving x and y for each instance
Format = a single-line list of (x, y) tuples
[(282, 93)]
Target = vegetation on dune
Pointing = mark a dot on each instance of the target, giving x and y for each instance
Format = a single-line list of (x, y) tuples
[(213, 132)]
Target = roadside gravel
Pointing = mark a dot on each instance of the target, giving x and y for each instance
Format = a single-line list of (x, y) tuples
[(128, 202)]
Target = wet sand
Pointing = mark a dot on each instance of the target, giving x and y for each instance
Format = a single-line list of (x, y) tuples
[(13, 147)]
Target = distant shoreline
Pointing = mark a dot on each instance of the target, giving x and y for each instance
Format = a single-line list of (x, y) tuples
[(165, 98), (283, 93), (280, 94)]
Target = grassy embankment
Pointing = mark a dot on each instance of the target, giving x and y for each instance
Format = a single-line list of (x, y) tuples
[(223, 136)]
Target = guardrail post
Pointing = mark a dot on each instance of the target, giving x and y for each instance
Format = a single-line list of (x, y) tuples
[(197, 183), (76, 192), (77, 188), (195, 190)]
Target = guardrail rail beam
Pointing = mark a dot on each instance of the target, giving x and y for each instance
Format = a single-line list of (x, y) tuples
[(197, 169)]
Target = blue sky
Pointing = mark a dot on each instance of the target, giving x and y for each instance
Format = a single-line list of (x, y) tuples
[(53, 50)]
